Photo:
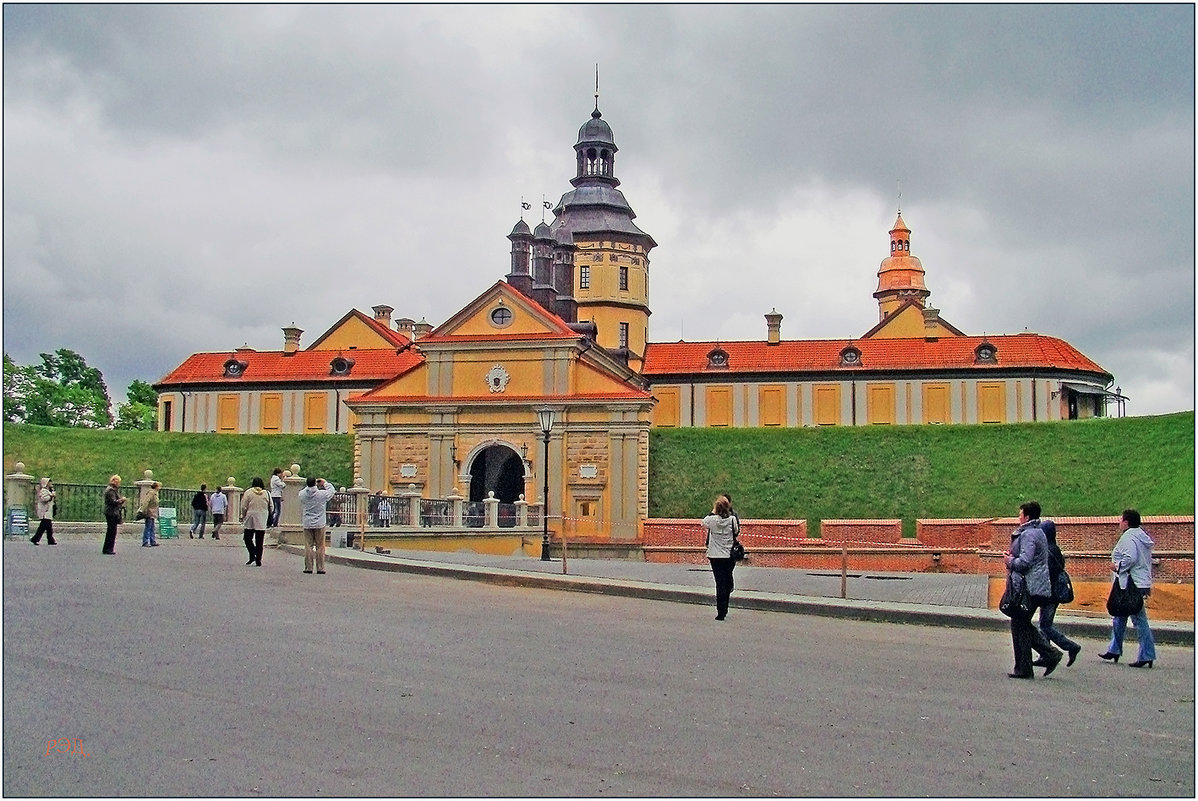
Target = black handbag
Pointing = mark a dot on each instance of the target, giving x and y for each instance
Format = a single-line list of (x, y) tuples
[(1062, 590), (1015, 598), (1124, 601), (737, 551)]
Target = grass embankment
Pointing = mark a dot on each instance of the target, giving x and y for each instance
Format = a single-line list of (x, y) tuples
[(1092, 467), (87, 456)]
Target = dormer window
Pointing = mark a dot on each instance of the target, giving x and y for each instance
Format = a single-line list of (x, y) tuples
[(985, 353), (850, 357), (341, 366), (718, 359), (235, 368)]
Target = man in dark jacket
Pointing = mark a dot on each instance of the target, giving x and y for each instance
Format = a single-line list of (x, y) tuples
[(1027, 562), (199, 512)]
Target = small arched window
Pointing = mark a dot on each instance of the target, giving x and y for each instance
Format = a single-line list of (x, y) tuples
[(718, 359), (235, 368), (850, 357), (341, 366)]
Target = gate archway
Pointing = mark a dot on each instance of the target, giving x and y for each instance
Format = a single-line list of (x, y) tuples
[(498, 469)]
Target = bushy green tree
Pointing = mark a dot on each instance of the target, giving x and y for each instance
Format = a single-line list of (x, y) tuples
[(61, 391), (140, 412)]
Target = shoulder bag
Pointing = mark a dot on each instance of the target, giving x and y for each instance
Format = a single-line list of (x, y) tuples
[(1124, 601), (1062, 589), (1015, 598), (737, 551)]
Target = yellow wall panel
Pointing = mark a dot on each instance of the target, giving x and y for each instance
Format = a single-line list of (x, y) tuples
[(353, 333), (772, 406), (936, 405), (719, 406), (879, 404), (665, 413), (228, 408), (826, 404), (272, 413), (992, 402), (316, 412)]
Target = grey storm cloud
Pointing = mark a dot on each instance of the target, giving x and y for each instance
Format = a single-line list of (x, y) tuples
[(194, 177)]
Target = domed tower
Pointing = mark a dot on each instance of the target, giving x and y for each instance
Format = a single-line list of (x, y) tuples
[(900, 277), (521, 273), (611, 257)]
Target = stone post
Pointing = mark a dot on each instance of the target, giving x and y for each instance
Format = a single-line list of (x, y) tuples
[(233, 493), (522, 512), (291, 515), (18, 489), (491, 504), (361, 497), (143, 489), (413, 497), (457, 509)]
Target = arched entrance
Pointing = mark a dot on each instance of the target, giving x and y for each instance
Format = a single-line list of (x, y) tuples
[(497, 469)]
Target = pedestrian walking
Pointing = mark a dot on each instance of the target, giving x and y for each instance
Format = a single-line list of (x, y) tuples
[(218, 504), (277, 485), (314, 499), (255, 512), (199, 512), (114, 511), (721, 533), (149, 512), (43, 507), (1048, 611), (1132, 559), (1027, 564)]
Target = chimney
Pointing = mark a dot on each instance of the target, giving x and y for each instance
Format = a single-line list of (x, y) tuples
[(931, 323), (421, 329), (291, 338), (383, 314), (773, 327), (404, 325)]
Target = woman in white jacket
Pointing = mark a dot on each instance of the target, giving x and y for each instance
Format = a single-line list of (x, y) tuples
[(1132, 558), (721, 533)]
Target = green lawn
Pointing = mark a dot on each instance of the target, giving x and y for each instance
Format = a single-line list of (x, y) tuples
[(1093, 467)]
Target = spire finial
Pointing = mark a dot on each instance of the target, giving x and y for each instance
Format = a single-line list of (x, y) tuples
[(596, 87), (899, 182)]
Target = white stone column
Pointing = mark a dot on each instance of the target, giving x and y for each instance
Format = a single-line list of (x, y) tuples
[(233, 493), (361, 497), (18, 489), (413, 496), (491, 504), (291, 515)]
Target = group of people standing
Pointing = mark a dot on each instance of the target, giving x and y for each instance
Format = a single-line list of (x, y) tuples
[(1035, 559), (260, 509)]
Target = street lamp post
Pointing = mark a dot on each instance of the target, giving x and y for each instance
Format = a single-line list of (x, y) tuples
[(545, 419)]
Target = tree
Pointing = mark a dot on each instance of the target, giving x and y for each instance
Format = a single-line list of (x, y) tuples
[(141, 410), (61, 391)]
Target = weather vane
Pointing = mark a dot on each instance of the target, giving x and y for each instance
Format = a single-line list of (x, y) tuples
[(524, 207), (899, 183), (596, 87)]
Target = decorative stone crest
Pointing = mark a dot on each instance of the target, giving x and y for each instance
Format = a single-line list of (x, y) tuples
[(497, 378)]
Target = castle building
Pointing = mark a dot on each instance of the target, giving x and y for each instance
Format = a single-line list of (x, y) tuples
[(452, 409)]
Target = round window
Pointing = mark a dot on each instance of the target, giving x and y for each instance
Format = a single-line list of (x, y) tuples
[(501, 316)]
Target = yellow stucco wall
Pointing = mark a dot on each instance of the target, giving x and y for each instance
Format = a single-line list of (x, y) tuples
[(353, 333)]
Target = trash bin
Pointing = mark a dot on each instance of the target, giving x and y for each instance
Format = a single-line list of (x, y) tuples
[(336, 538), (167, 523)]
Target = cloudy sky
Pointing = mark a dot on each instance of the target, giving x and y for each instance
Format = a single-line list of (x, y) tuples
[(187, 178)]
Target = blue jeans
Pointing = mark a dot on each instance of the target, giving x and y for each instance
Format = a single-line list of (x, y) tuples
[(1140, 621), (276, 507), (1051, 632), (199, 517), (147, 535)]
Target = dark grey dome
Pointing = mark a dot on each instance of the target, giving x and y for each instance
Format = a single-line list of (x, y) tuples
[(542, 231), (521, 229), (596, 131)]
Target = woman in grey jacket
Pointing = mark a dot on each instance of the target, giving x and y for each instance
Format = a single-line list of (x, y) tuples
[(1132, 558), (721, 533), (1027, 562)]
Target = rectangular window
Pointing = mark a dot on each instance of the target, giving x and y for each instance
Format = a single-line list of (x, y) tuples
[(665, 414), (935, 404), (719, 406), (623, 335), (992, 401), (879, 404), (272, 413), (316, 412), (228, 408), (772, 406), (584, 277), (166, 415), (623, 278), (826, 400)]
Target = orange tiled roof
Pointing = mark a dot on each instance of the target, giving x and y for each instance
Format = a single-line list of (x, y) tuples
[(823, 355), (303, 366)]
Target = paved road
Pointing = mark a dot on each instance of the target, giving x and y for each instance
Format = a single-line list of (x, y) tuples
[(183, 672)]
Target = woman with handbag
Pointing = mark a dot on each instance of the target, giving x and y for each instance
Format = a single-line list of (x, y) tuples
[(1027, 563), (721, 535), (1131, 561), (1048, 611), (255, 513)]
